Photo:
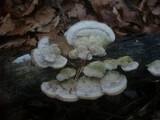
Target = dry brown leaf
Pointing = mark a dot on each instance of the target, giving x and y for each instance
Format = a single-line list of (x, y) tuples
[(45, 15), (78, 11), (49, 27), (156, 10), (151, 3), (141, 5), (26, 8), (32, 42), (31, 8), (23, 29), (13, 44), (6, 25), (127, 15), (157, 20), (90, 17), (151, 29), (104, 11), (67, 5), (98, 5)]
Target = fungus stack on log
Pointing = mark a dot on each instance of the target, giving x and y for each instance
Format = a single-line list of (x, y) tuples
[(89, 39)]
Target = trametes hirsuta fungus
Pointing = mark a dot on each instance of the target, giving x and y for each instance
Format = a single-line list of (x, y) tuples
[(66, 73), (127, 63), (48, 55), (154, 68), (95, 69), (64, 90), (113, 83), (89, 38), (94, 79), (91, 88)]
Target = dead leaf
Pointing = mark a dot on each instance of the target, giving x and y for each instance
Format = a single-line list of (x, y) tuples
[(90, 17), (31, 8), (6, 25), (13, 44), (151, 29), (23, 29), (67, 5), (156, 10), (104, 11), (32, 42), (78, 11), (45, 15), (19, 9), (98, 5), (49, 27), (151, 3)]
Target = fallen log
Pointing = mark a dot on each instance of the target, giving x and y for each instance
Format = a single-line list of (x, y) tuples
[(20, 83)]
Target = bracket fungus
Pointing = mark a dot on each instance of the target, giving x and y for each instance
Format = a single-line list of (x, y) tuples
[(95, 69), (111, 64), (113, 83), (89, 38), (64, 90), (88, 88), (48, 56), (154, 68), (66, 73), (22, 59), (44, 41), (127, 63)]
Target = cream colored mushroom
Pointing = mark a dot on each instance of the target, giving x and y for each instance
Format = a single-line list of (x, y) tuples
[(130, 66), (88, 88), (64, 91), (154, 68), (111, 64), (44, 41), (113, 83), (92, 36), (66, 73), (127, 63), (48, 56), (22, 59), (95, 69)]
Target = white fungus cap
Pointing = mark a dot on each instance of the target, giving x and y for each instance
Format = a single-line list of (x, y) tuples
[(154, 68), (48, 56), (89, 38), (22, 59), (88, 88), (64, 91), (95, 69), (129, 66), (83, 28), (44, 41), (66, 73), (111, 64), (113, 83)]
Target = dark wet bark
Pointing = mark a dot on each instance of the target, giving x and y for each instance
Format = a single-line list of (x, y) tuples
[(20, 84)]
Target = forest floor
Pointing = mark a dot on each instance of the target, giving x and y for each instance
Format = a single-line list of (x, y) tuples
[(22, 23)]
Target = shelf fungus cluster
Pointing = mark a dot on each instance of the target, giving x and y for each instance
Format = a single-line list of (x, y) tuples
[(154, 68), (97, 78), (48, 55), (89, 39)]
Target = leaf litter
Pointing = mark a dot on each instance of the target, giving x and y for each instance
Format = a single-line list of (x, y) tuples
[(22, 23)]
